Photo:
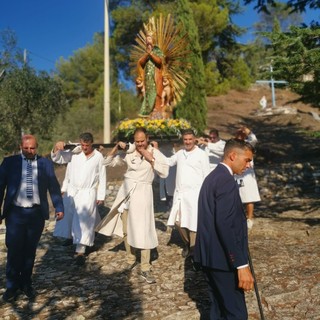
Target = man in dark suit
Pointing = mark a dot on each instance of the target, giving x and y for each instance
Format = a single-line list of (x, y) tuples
[(222, 236), (25, 180)]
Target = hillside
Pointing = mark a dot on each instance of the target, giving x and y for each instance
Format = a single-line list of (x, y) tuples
[(282, 137)]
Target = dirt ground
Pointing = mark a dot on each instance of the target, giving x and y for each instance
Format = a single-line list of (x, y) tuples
[(282, 137)]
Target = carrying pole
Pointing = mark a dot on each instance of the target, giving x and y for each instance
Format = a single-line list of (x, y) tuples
[(256, 287)]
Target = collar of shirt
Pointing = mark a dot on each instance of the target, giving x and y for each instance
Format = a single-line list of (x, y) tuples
[(32, 159), (187, 153), (229, 169)]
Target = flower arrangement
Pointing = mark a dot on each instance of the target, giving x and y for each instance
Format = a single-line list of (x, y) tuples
[(164, 128)]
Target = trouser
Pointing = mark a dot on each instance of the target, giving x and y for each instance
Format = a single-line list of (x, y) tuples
[(131, 252), (227, 300), (24, 227), (188, 236)]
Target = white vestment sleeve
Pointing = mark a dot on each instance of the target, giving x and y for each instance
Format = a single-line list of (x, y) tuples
[(101, 194), (66, 180), (160, 164), (216, 148), (172, 161), (61, 156)]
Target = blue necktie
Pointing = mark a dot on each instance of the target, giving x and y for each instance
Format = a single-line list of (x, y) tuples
[(29, 189)]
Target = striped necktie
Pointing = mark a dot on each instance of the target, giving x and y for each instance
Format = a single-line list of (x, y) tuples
[(29, 189)]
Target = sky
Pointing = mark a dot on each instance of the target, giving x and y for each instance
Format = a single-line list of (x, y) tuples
[(50, 29)]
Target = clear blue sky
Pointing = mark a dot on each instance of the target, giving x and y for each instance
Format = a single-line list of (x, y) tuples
[(50, 29)]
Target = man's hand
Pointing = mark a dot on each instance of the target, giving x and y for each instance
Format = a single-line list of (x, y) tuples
[(100, 202), (202, 141), (59, 216), (59, 146), (245, 277), (146, 154), (155, 144)]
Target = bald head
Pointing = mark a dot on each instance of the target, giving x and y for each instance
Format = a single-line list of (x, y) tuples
[(29, 146)]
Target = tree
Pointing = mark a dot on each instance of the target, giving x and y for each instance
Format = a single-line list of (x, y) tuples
[(296, 55), (29, 103), (10, 54), (83, 84), (296, 5), (279, 12), (193, 106)]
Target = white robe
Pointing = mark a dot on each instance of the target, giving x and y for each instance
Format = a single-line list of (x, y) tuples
[(215, 151), (248, 186), (85, 183), (167, 185), (137, 195), (192, 168)]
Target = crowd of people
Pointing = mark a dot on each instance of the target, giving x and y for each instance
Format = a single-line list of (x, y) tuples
[(213, 182)]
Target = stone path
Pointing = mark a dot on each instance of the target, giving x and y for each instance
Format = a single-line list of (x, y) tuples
[(285, 252)]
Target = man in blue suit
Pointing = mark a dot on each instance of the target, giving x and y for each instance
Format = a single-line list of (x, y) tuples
[(222, 236), (25, 180)]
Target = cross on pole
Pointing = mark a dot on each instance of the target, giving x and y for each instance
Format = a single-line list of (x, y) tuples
[(272, 82)]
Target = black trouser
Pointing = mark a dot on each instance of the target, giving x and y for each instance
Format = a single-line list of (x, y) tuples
[(227, 300), (24, 227)]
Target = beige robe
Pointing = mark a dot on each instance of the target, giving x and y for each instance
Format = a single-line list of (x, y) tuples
[(136, 192)]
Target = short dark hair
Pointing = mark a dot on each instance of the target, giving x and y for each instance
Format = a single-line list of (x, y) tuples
[(86, 137), (214, 131), (237, 144), (188, 131)]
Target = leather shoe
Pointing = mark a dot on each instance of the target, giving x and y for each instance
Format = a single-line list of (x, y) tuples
[(80, 259), (186, 251), (29, 292), (9, 295)]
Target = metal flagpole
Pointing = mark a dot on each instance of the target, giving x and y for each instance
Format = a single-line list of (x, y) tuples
[(256, 287), (106, 100)]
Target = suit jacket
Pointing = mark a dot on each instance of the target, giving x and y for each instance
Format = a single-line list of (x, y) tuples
[(10, 178), (222, 235)]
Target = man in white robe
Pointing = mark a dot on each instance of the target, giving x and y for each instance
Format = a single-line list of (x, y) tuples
[(84, 189), (214, 147), (247, 181), (192, 167), (132, 213)]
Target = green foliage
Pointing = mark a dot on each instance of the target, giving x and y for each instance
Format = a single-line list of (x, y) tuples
[(297, 54), (29, 103), (214, 83), (295, 5), (82, 74), (217, 36), (240, 80), (193, 106), (211, 19), (10, 54), (278, 13), (83, 82)]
